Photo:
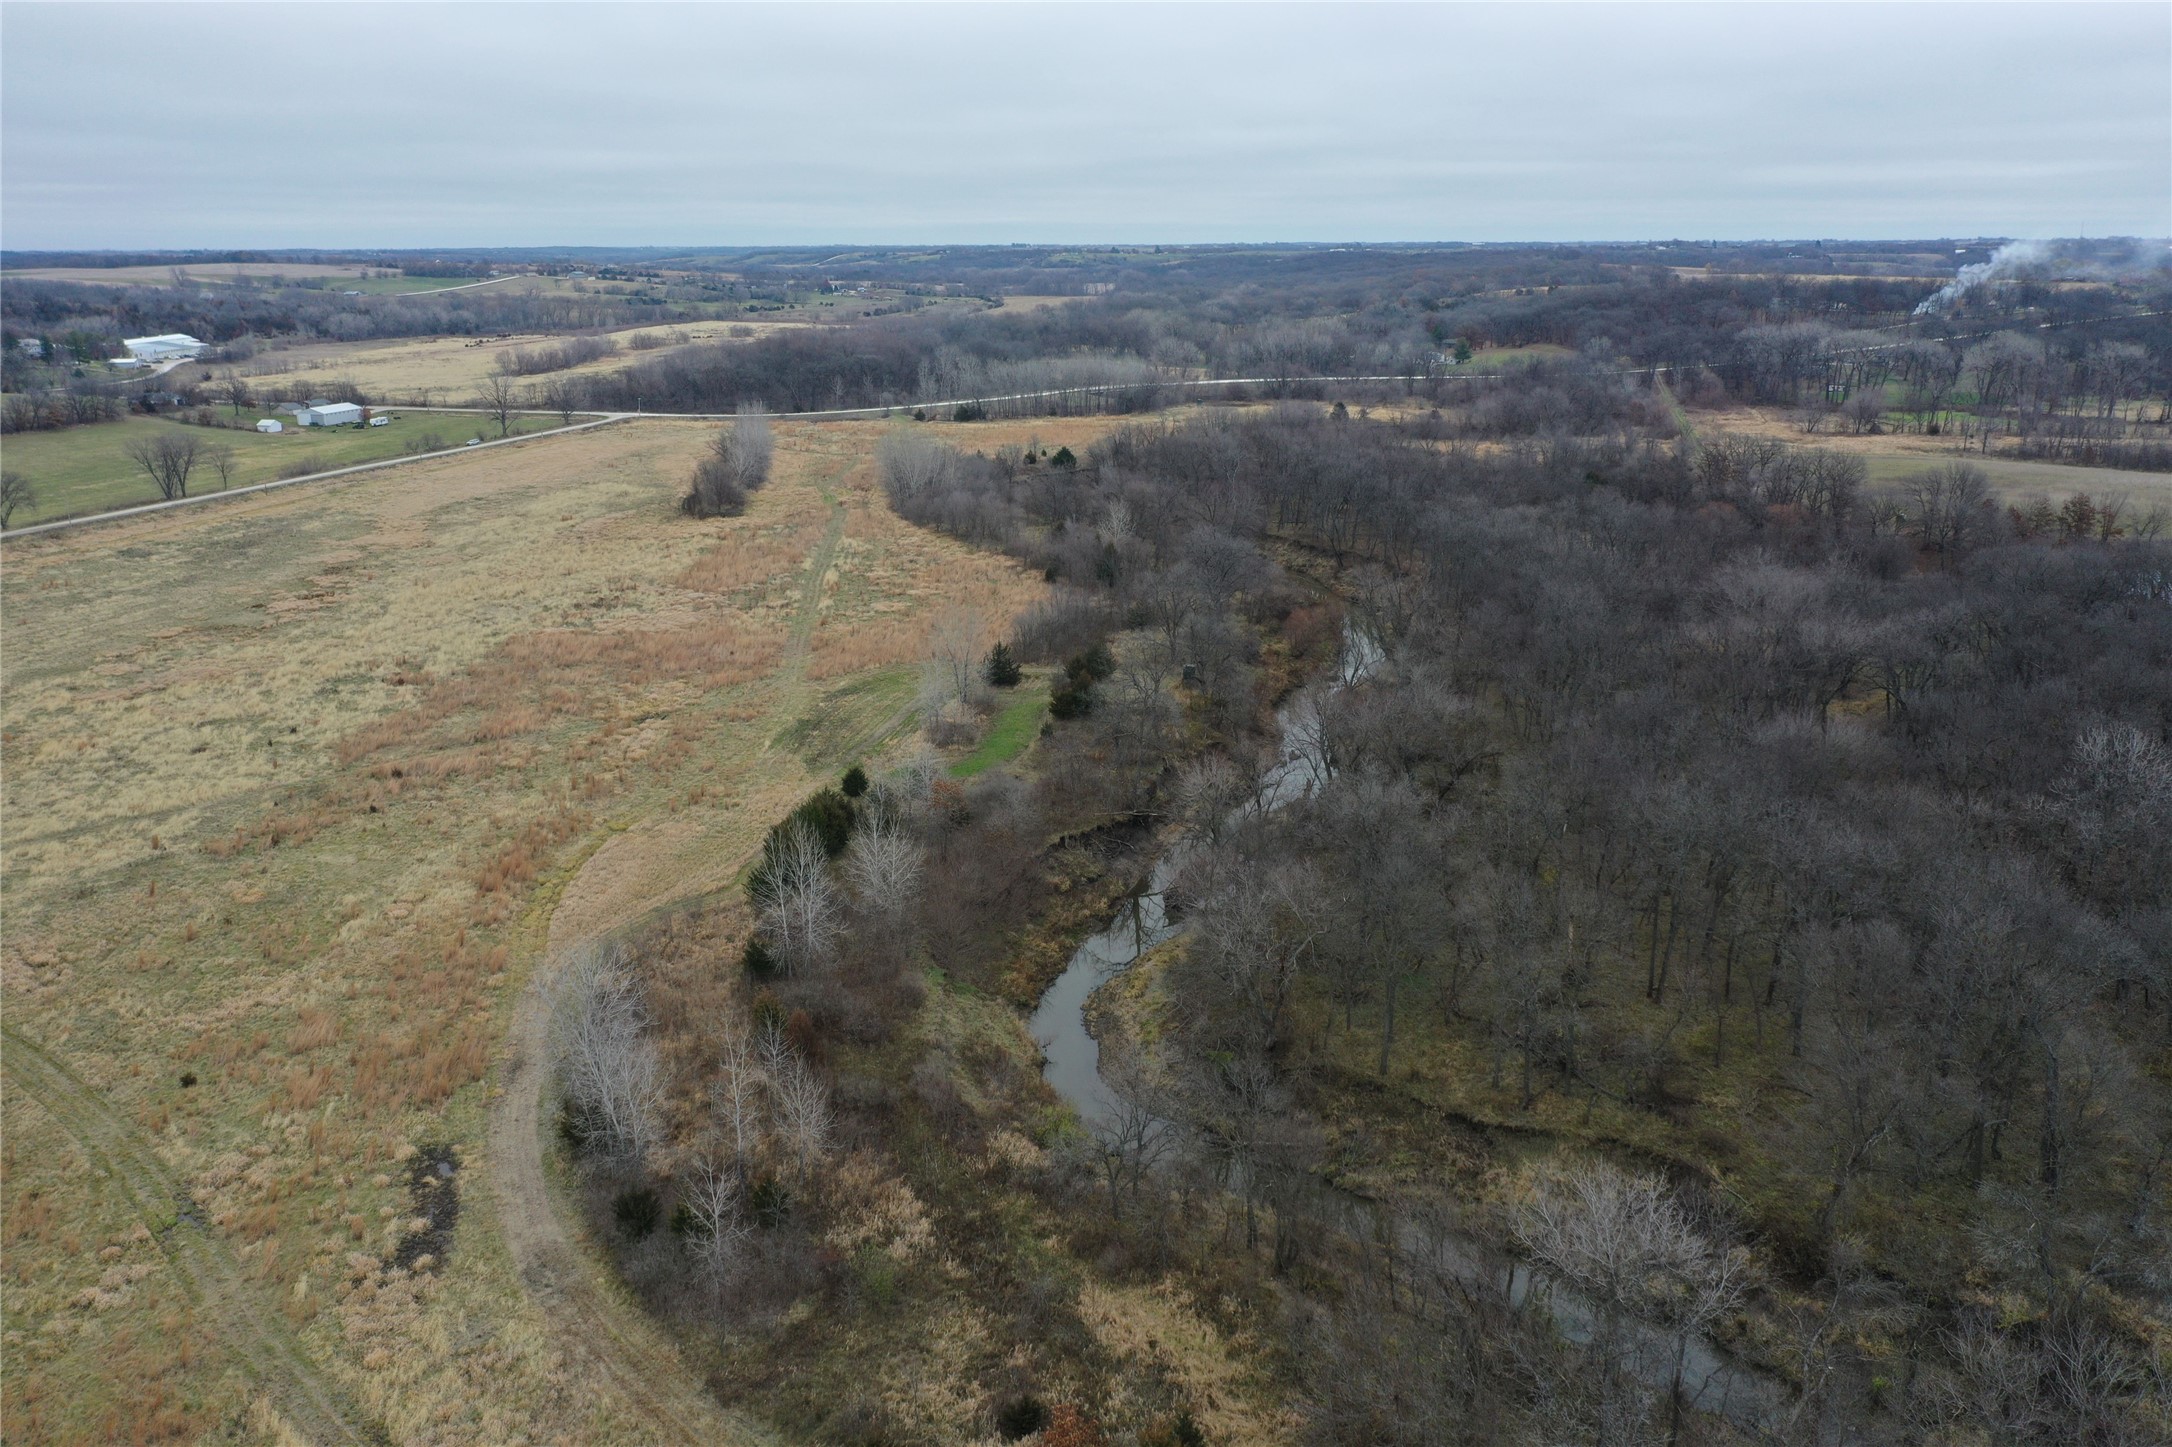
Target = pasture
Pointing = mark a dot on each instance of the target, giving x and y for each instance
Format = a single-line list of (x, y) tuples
[(210, 273), (451, 370), (369, 280), (78, 470), (1893, 457), (297, 786)]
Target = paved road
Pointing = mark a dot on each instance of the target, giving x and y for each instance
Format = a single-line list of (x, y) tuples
[(599, 419), (119, 514)]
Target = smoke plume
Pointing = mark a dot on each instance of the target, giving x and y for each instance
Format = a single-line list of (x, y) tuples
[(2008, 261)]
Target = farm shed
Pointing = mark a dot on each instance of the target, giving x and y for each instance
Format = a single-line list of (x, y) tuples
[(271, 424), (331, 414), (165, 347)]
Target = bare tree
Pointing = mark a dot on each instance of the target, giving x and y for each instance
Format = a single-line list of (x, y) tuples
[(753, 446), (800, 908), (913, 466), (739, 1093), (15, 492), (885, 866), (1949, 509), (220, 459), (951, 683), (1131, 1141), (805, 1123), (168, 458), (237, 394), (501, 399), (563, 398), (716, 1198), (1626, 1246), (737, 465), (607, 1068)]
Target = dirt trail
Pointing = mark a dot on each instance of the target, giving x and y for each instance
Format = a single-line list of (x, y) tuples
[(589, 1315), (246, 1325)]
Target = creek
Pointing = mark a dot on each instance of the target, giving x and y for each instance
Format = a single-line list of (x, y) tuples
[(1711, 1379)]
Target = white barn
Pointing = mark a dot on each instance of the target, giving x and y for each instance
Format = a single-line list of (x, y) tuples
[(163, 348), (271, 424), (329, 414)]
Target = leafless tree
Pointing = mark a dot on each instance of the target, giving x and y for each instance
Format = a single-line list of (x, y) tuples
[(737, 466), (1209, 791), (804, 1121), (563, 398), (607, 1068), (951, 682), (913, 467), (716, 1198), (168, 459), (753, 446), (501, 399), (740, 1094), (15, 492), (800, 908), (1625, 1245), (1130, 1143), (220, 459), (1253, 930), (1949, 509), (885, 866)]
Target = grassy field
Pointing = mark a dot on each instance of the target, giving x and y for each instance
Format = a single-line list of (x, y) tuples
[(1892, 458), (1493, 359), (371, 281), (2014, 479), (1009, 734), (205, 274), (87, 469), (296, 788), (453, 369)]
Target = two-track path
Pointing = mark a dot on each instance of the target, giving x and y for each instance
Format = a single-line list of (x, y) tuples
[(245, 1324), (591, 1318)]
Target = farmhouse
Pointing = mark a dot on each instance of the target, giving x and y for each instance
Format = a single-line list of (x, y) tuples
[(329, 414), (171, 346)]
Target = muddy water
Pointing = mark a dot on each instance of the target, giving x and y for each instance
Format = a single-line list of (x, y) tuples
[(1710, 1380)]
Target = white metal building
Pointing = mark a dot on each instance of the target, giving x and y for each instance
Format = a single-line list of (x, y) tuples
[(330, 414), (271, 424), (164, 348)]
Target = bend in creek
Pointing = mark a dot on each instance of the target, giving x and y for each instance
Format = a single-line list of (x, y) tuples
[(1072, 1065)]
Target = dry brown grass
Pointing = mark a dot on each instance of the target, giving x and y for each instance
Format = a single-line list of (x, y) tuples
[(453, 369), (302, 856), (1893, 456), (163, 275)]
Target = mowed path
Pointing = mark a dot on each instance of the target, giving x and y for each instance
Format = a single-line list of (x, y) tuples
[(248, 1326), (298, 609), (593, 1319)]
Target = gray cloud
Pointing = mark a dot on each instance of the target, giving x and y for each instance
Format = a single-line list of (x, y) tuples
[(289, 125)]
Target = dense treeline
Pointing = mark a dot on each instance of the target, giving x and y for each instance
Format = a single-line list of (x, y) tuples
[(1817, 843), (227, 313), (555, 356), (2079, 372)]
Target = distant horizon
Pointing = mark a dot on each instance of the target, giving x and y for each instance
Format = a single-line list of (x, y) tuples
[(710, 247)]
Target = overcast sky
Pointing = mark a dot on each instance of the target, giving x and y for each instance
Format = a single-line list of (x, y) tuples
[(504, 124)]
